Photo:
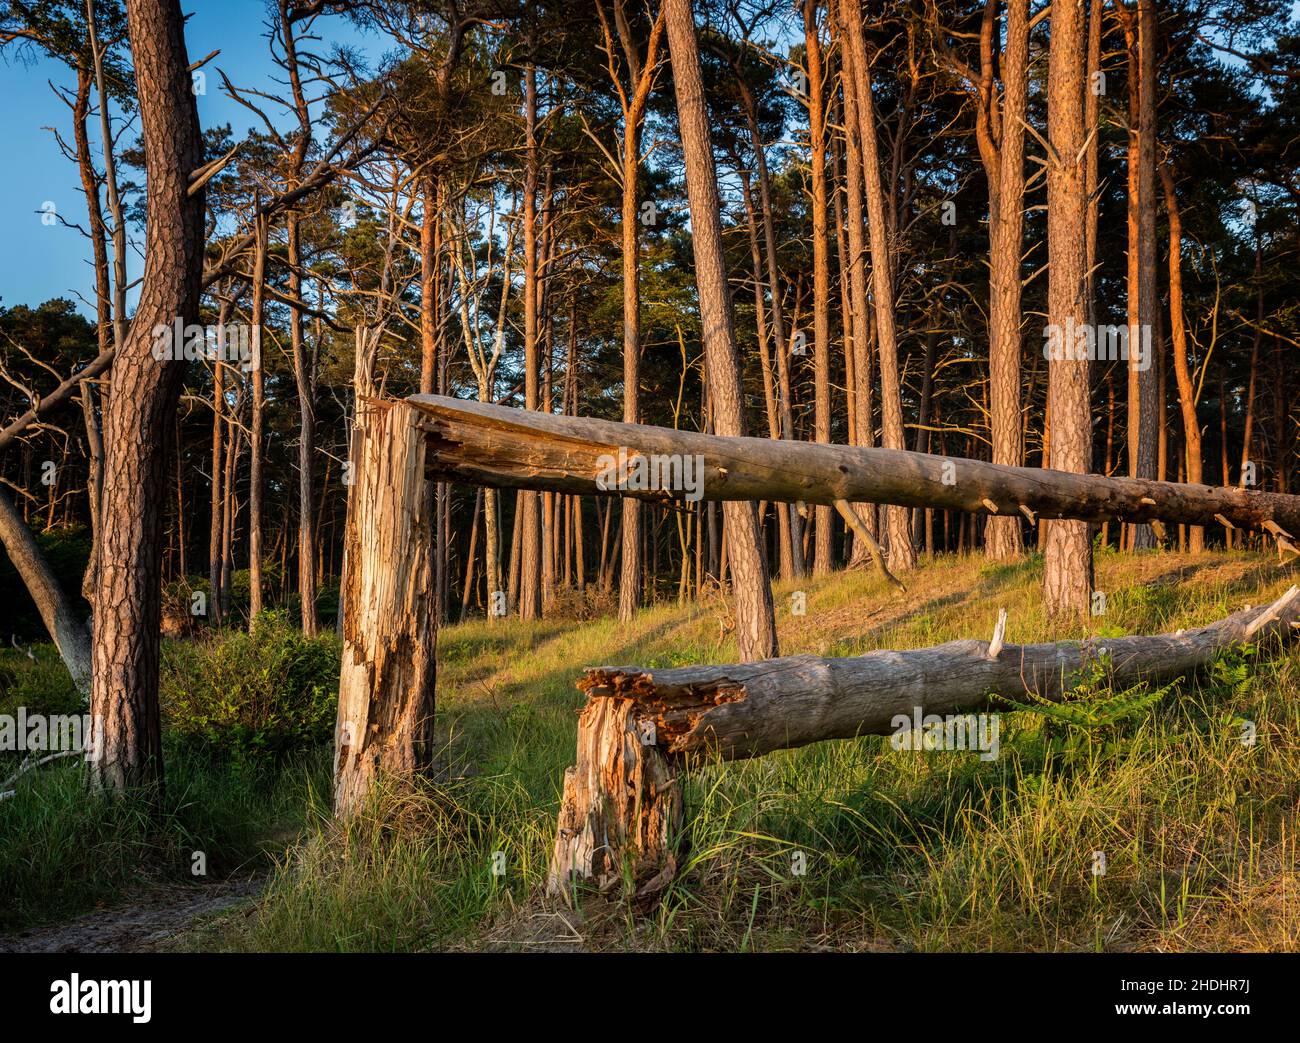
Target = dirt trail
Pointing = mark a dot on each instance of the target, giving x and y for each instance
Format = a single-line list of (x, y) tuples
[(144, 926)]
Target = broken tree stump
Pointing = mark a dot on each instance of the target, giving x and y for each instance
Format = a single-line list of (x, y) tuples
[(386, 684), (622, 802), (621, 813)]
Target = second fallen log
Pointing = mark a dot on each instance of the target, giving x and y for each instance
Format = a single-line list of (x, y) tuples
[(639, 724)]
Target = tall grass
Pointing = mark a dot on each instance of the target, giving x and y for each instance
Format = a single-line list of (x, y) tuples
[(247, 719), (64, 848), (846, 844)]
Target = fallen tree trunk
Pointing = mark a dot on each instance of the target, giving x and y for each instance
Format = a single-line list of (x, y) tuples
[(71, 636), (493, 445), (754, 708)]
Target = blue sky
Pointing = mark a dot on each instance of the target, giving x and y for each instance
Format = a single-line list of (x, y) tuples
[(42, 261)]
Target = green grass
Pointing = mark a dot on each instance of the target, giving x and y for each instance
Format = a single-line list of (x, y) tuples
[(902, 850), (247, 724), (64, 849)]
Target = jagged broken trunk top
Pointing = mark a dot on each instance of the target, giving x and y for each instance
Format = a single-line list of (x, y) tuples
[(621, 813), (386, 685)]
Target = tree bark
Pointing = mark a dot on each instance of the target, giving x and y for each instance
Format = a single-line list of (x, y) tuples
[(495, 445), (1178, 329), (257, 426), (751, 709), (1148, 302), (1144, 406), (858, 351), (304, 371), (791, 529), (530, 561), (386, 685), (902, 554), (1067, 569), (1003, 538), (217, 498), (755, 619), (142, 403), (770, 394), (622, 815), (104, 328), (823, 552), (621, 812)]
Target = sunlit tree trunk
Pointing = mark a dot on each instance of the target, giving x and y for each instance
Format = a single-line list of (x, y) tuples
[(1178, 332), (901, 552), (1067, 568), (823, 553), (142, 403), (530, 562), (755, 619), (858, 350), (1003, 540)]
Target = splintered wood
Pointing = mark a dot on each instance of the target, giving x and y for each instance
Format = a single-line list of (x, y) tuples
[(621, 814), (386, 685)]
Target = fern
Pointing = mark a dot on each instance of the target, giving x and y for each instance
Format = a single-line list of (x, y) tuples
[(1091, 705)]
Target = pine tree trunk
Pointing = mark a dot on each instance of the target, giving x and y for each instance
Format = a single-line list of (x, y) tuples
[(791, 529), (530, 562), (1004, 540), (1248, 427), (1144, 407), (824, 550), (784, 559), (217, 501), (1182, 367), (629, 592), (103, 315), (257, 437), (755, 619), (863, 423), (901, 552), (142, 403), (305, 379), (1067, 568)]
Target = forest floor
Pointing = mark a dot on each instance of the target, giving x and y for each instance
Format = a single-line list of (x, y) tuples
[(147, 921), (847, 845)]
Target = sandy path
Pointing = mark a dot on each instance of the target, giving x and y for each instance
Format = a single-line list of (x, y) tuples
[(153, 919)]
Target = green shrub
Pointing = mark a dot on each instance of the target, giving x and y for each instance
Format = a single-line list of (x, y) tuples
[(269, 691), (40, 682), (37, 682)]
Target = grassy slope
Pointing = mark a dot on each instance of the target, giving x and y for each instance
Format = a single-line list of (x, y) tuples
[(903, 850)]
